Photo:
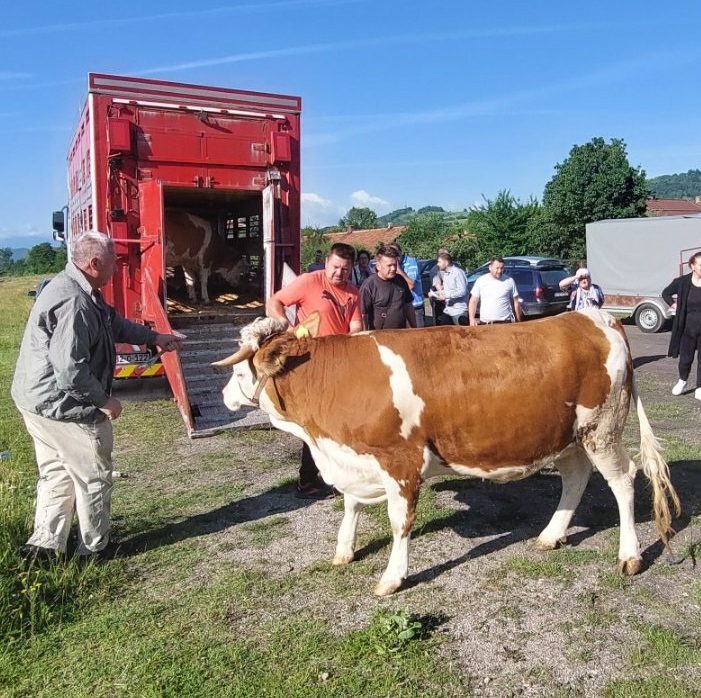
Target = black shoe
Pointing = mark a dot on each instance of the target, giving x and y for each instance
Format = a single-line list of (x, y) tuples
[(35, 553), (315, 491), (109, 552)]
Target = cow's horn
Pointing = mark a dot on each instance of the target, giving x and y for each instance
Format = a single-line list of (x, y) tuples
[(245, 352)]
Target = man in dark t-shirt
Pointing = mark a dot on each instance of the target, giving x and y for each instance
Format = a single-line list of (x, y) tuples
[(385, 299)]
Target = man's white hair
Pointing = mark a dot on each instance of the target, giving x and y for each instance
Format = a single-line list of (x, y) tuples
[(89, 245)]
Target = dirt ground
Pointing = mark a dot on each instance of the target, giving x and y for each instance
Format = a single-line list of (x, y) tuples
[(513, 620)]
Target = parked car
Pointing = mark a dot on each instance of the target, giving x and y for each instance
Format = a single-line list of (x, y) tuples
[(537, 280)]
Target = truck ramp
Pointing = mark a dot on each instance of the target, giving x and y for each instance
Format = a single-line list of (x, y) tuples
[(211, 339)]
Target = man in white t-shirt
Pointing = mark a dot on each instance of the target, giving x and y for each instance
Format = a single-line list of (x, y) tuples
[(497, 296)]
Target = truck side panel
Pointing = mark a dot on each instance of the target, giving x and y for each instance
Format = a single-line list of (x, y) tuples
[(636, 258)]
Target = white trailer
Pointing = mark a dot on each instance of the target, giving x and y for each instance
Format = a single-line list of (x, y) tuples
[(633, 259)]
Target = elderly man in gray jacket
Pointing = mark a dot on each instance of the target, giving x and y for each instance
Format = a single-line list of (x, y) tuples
[(62, 386)]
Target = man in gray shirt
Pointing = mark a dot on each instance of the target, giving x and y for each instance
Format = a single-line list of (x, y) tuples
[(62, 387), (453, 293)]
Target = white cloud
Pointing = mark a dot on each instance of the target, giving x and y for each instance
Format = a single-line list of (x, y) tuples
[(26, 235), (194, 14), (371, 42), (362, 198), (318, 211), (14, 75), (312, 199)]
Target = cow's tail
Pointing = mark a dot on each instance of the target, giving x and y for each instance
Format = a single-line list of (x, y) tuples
[(657, 471)]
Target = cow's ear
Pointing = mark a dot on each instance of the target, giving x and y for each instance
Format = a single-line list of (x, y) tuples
[(270, 359), (311, 323)]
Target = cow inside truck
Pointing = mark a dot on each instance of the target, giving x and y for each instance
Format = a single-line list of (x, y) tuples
[(213, 250)]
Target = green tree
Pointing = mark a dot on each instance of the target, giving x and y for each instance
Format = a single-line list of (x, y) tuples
[(313, 239), (424, 235), (594, 183), (40, 259), (428, 232), (502, 225), (359, 219), (5, 260), (60, 258)]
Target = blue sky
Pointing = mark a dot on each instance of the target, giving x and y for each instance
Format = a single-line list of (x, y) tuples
[(404, 103)]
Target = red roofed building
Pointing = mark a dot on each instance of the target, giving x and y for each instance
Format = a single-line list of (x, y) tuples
[(367, 239), (673, 207)]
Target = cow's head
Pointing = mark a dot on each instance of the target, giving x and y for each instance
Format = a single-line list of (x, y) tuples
[(233, 273), (263, 348)]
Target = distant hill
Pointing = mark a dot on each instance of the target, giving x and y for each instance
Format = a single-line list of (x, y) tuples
[(686, 185), (403, 216), (400, 216), (19, 253)]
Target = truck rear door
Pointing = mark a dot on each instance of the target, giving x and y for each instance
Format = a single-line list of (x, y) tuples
[(154, 288)]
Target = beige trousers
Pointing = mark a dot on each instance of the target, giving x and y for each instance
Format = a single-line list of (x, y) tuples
[(75, 474)]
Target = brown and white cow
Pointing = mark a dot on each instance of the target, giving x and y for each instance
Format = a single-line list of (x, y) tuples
[(497, 402), (192, 244)]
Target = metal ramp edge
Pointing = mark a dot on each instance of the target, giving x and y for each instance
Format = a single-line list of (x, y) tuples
[(203, 411), (205, 343)]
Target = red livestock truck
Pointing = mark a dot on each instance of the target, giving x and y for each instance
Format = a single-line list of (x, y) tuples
[(167, 169)]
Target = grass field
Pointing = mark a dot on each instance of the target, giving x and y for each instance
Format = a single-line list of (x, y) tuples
[(225, 590)]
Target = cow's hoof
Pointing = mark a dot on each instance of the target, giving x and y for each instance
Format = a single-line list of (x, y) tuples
[(631, 566), (545, 544), (342, 559), (387, 588)]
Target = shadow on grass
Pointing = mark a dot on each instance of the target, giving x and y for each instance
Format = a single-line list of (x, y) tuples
[(642, 360), (518, 511), (277, 500), (505, 514)]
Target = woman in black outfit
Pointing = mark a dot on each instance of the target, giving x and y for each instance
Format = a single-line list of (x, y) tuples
[(686, 329)]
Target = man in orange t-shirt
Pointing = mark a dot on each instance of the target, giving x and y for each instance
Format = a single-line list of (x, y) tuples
[(329, 292)]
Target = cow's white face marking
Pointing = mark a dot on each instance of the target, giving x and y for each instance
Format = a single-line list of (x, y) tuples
[(241, 385), (406, 401)]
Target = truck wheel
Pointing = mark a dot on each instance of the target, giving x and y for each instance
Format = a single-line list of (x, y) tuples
[(649, 318)]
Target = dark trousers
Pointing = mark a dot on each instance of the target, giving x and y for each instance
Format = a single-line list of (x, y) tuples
[(688, 346), (445, 319), (308, 472)]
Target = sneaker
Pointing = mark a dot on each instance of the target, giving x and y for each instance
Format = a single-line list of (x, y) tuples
[(697, 393), (678, 388)]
